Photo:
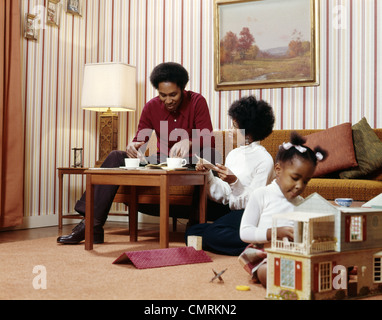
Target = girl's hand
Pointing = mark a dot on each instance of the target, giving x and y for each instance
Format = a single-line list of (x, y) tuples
[(225, 174), (282, 232), (285, 232)]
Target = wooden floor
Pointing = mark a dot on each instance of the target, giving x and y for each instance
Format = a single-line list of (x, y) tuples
[(29, 234)]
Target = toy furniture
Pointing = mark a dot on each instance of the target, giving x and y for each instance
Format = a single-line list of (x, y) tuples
[(336, 252)]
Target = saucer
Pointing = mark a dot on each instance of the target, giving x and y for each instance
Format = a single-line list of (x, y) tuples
[(129, 168), (174, 169)]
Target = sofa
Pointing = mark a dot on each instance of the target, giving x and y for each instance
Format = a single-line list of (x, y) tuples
[(330, 183), (332, 186)]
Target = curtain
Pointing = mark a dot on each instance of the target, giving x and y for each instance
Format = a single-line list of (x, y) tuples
[(11, 117)]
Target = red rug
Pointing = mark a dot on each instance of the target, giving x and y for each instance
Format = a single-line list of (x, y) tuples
[(163, 257)]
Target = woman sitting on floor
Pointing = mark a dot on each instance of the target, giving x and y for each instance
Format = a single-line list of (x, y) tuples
[(246, 168)]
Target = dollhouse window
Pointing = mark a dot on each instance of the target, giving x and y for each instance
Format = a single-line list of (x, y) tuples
[(287, 273), (356, 229), (377, 269), (325, 279)]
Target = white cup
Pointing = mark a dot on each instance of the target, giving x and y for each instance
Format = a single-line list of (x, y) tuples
[(174, 163), (132, 163), (344, 202)]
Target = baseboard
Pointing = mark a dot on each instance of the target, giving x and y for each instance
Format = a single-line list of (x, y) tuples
[(52, 221), (38, 222)]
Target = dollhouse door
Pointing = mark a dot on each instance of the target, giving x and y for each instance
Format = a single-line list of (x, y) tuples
[(352, 281)]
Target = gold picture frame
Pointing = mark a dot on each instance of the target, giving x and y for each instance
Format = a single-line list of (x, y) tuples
[(31, 29), (73, 7), (266, 44), (53, 13)]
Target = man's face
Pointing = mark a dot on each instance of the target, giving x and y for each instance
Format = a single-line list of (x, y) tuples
[(171, 95)]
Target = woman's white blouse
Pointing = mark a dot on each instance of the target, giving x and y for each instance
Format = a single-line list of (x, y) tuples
[(252, 165)]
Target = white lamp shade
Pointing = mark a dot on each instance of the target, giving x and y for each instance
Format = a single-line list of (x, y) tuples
[(109, 85)]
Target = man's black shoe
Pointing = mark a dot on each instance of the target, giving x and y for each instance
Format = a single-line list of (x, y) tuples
[(78, 235)]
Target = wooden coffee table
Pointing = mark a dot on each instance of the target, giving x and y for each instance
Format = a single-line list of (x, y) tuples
[(143, 177)]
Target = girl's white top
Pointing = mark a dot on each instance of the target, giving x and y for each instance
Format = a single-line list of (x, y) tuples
[(254, 168), (263, 204)]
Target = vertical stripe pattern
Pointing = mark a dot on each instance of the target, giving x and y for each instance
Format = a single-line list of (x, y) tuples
[(145, 33)]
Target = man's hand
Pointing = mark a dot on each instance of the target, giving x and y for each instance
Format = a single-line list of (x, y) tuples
[(132, 149), (180, 149)]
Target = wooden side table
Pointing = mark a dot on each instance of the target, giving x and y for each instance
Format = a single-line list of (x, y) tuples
[(61, 172)]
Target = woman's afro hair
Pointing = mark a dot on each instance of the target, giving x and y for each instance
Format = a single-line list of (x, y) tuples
[(254, 116)]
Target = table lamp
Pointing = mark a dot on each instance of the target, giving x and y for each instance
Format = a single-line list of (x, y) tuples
[(109, 88)]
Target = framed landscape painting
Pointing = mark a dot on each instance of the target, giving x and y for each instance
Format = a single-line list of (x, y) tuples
[(266, 44)]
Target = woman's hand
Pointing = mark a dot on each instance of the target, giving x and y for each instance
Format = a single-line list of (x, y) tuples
[(225, 174), (180, 149), (200, 167)]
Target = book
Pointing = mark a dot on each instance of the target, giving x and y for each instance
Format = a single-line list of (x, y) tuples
[(156, 166), (206, 163)]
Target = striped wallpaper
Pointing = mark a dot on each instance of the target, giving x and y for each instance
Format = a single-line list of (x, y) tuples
[(147, 32)]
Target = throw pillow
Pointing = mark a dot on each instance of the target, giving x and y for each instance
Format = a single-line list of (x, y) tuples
[(368, 151), (338, 142)]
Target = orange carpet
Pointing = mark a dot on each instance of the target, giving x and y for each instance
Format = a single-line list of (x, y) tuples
[(75, 274)]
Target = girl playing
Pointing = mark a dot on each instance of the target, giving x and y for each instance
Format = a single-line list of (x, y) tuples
[(295, 165)]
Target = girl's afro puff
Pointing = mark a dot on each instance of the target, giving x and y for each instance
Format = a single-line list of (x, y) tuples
[(315, 155)]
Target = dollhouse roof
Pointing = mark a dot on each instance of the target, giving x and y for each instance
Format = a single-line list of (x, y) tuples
[(314, 207), (302, 216), (374, 203), (316, 203)]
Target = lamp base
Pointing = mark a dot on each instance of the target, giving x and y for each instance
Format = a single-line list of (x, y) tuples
[(108, 137)]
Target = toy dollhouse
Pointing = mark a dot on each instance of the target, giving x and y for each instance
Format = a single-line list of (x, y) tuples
[(336, 253)]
